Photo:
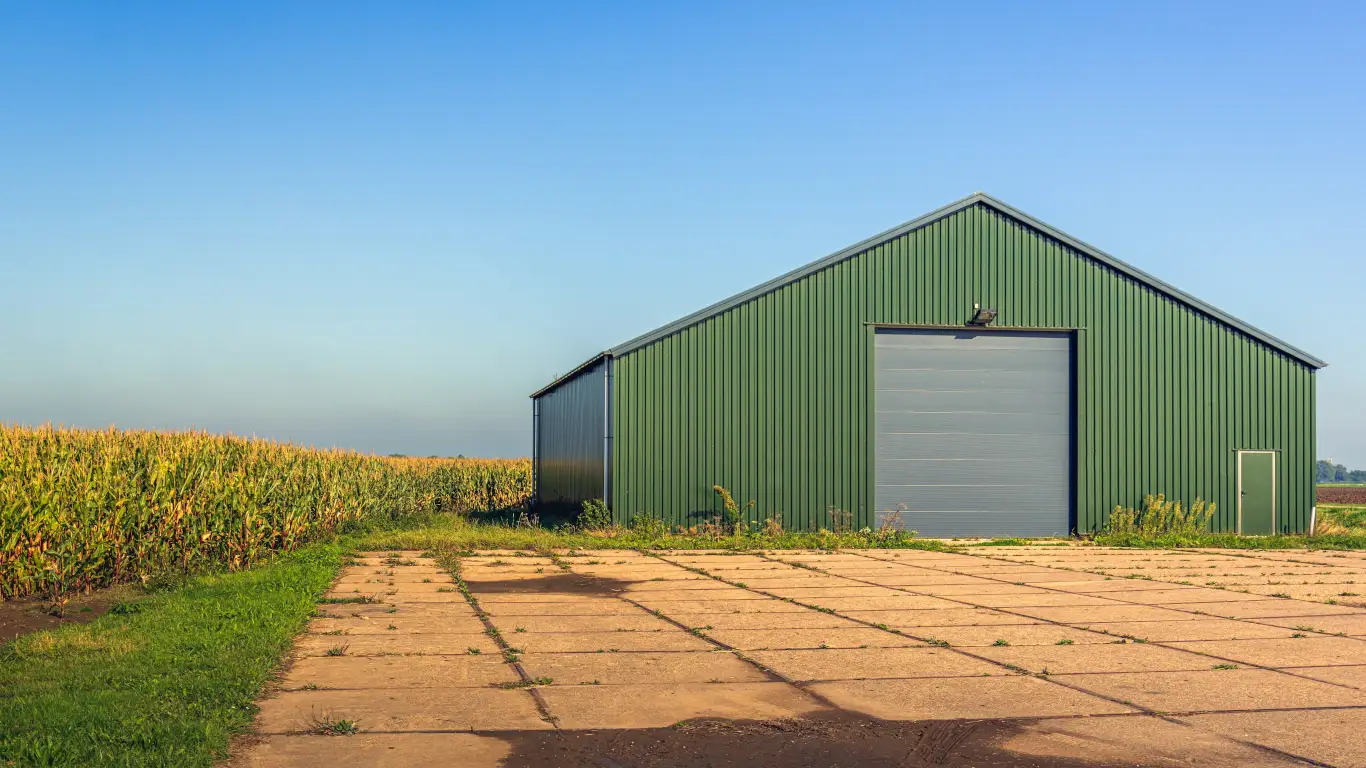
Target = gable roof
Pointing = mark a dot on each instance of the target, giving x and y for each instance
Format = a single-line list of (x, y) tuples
[(980, 198)]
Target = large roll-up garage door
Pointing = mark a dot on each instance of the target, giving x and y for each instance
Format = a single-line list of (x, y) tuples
[(973, 432)]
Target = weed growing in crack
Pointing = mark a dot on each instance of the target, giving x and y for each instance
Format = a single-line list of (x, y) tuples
[(532, 683), (327, 726)]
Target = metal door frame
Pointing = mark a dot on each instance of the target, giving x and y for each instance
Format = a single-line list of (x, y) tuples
[(1275, 508)]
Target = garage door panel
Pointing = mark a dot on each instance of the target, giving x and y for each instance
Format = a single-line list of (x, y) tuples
[(967, 340), (968, 523), (965, 498), (972, 381), (1040, 399), (1009, 360), (973, 432), (974, 423), (968, 473), (996, 447)]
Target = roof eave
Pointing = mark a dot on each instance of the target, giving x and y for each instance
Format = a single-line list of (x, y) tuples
[(580, 368)]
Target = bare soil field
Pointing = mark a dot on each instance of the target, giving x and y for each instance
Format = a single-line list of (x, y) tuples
[(24, 615), (1341, 494), (1018, 656)]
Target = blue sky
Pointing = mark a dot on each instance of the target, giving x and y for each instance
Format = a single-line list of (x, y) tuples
[(382, 225)]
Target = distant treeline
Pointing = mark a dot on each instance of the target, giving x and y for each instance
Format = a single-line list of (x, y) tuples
[(1336, 473)]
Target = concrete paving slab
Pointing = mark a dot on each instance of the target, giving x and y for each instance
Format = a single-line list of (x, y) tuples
[(1352, 676), (901, 602), (794, 581), (771, 605), (436, 598), (1058, 576), (1296, 652), (785, 639), (658, 706), (1196, 629), (1100, 613), (1215, 690), (373, 569), (1350, 624), (376, 750), (670, 639), (385, 611), (665, 585), (643, 668), (985, 588), (1103, 587), (398, 672), (398, 709), (1344, 595), (921, 580), (1095, 657), (873, 663), (945, 618), (380, 624), (602, 607), (419, 588), (963, 697), (401, 576), (808, 619), (1040, 600), (1331, 737), (396, 644), (1276, 608), (639, 621), (834, 592), (1015, 634), (1190, 597), (1128, 740)]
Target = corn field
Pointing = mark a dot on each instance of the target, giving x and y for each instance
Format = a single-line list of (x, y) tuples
[(82, 508)]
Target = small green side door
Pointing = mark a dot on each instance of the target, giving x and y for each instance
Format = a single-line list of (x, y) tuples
[(1257, 493)]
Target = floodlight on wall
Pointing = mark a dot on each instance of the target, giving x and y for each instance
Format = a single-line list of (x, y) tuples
[(982, 315)]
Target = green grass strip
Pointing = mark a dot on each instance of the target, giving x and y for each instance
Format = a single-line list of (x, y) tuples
[(457, 533), (166, 682)]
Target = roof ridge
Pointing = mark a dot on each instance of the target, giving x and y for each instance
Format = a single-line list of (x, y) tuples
[(942, 212)]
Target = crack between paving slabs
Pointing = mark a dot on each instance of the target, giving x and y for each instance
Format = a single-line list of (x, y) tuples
[(1167, 716), (1159, 643), (771, 674), (452, 566), (1111, 574), (1046, 678)]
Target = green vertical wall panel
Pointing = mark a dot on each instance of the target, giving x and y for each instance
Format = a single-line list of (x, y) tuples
[(772, 398)]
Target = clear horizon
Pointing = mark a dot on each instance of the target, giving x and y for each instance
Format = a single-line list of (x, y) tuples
[(382, 230)]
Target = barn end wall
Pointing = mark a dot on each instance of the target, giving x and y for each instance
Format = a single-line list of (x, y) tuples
[(773, 398)]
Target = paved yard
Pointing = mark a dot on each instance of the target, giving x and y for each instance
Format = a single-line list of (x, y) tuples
[(1043, 656)]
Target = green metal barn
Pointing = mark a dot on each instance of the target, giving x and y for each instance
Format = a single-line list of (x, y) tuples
[(974, 372)]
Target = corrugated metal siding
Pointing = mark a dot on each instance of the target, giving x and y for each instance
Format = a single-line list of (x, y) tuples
[(569, 439), (771, 398)]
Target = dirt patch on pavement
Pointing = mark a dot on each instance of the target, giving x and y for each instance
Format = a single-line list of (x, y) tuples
[(839, 739), (1341, 495), (20, 617)]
